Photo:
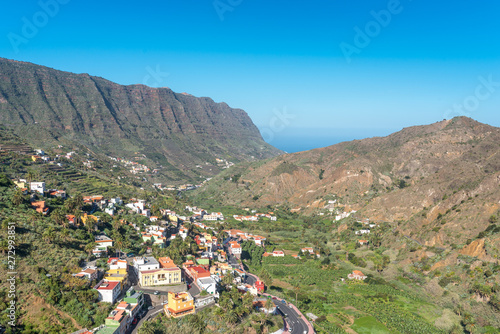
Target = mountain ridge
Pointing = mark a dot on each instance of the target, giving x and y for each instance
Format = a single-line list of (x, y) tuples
[(419, 171), (175, 130)]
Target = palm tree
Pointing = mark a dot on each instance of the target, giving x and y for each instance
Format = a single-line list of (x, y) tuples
[(262, 319), (4, 246), (59, 217), (48, 235), (90, 247), (183, 248), (296, 288), (228, 279), (268, 306), (231, 317), (78, 217), (90, 224), (194, 248), (247, 302), (29, 176), (17, 197), (147, 327), (119, 243), (116, 223), (65, 235)]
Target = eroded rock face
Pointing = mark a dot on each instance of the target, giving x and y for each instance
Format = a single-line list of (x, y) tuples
[(173, 129), (475, 249)]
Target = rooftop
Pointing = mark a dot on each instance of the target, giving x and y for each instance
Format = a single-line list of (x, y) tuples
[(207, 281), (104, 285), (102, 238)]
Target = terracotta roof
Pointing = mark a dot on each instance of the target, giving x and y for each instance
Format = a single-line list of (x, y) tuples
[(108, 285), (166, 262)]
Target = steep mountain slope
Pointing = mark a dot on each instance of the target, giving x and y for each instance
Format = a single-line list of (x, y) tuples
[(449, 169), (173, 131)]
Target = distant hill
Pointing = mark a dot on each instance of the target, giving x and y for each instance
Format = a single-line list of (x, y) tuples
[(441, 181), (166, 130)]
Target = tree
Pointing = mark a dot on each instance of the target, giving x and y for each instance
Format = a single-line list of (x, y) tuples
[(59, 218), (18, 197), (90, 223), (4, 246), (119, 243), (231, 317), (247, 302), (90, 247), (116, 223), (148, 327), (48, 235), (65, 235), (228, 279), (30, 176), (296, 289), (78, 217), (266, 278), (268, 305)]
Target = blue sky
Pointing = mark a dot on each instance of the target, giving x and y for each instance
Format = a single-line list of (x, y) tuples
[(284, 62)]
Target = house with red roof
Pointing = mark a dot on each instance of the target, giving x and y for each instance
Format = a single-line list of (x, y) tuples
[(108, 291), (40, 207), (197, 272), (356, 274), (278, 253)]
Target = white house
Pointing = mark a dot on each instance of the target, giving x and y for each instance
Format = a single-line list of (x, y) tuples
[(108, 291), (116, 263), (235, 248), (208, 284), (145, 263), (278, 253), (89, 273), (102, 244), (117, 201), (38, 187)]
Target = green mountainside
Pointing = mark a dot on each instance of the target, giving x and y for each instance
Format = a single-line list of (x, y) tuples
[(164, 130)]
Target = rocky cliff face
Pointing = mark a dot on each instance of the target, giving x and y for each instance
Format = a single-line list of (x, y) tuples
[(175, 130)]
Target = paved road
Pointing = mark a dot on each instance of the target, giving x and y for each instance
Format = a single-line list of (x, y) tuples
[(295, 324), (194, 290), (233, 261), (147, 317), (250, 279)]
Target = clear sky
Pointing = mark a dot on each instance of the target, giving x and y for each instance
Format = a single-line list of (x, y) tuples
[(309, 73)]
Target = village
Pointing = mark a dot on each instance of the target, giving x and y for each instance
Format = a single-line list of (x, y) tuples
[(145, 285)]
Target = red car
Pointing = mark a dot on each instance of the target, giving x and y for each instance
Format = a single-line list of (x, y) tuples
[(134, 321)]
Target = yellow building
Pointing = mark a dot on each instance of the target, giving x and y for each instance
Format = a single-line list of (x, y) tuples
[(179, 305), (172, 218), (85, 217), (20, 184), (116, 275), (161, 276)]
